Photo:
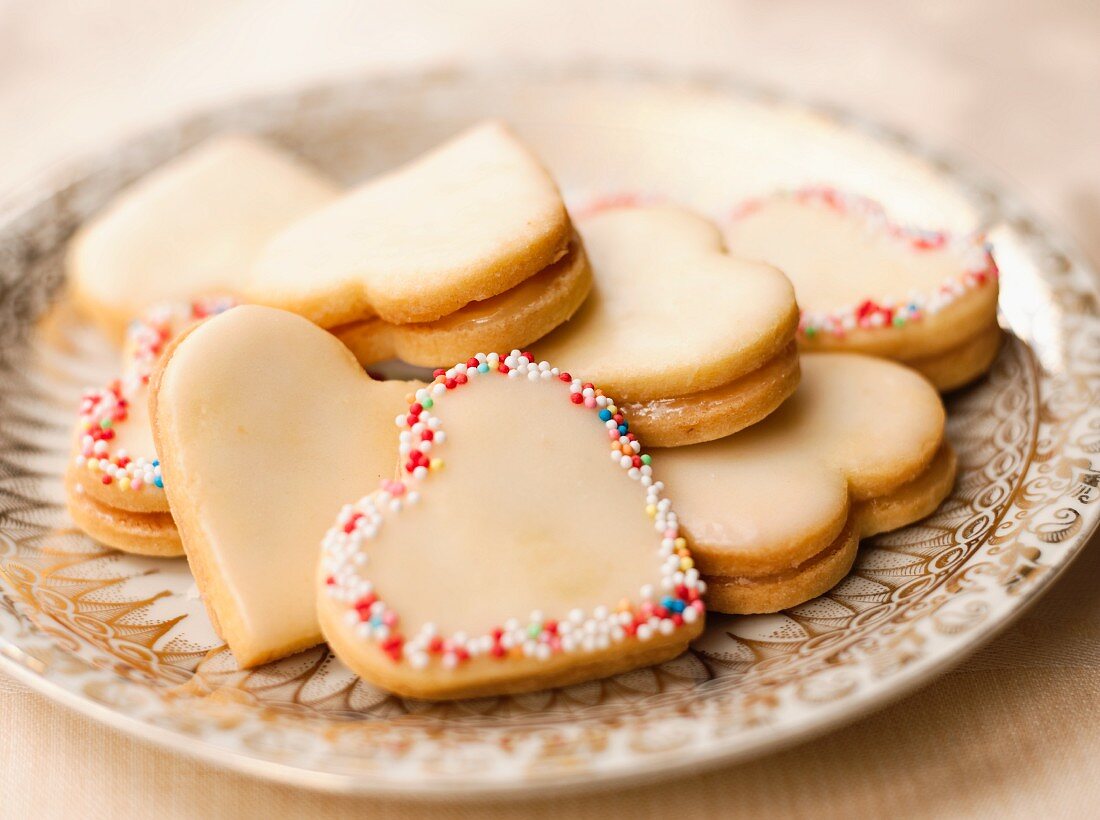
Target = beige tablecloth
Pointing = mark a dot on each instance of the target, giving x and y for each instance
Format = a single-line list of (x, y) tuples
[(1014, 731)]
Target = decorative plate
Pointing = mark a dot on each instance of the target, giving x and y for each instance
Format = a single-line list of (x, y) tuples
[(126, 640)]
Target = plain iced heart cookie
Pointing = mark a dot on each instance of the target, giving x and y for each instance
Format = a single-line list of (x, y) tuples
[(695, 343), (513, 554), (774, 514), (191, 228), (114, 488), (265, 424), (468, 247), (867, 285)]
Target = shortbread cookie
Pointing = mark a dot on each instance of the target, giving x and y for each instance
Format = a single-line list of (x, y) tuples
[(191, 228), (695, 343), (774, 514), (410, 263), (266, 424), (867, 285), (529, 560), (113, 485)]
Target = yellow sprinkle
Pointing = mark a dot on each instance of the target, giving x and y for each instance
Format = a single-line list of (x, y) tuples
[(436, 464), (623, 605), (681, 542), (410, 398), (612, 409), (124, 483), (93, 465), (686, 564), (651, 510)]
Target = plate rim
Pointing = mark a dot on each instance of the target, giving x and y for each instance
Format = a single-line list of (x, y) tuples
[(628, 770)]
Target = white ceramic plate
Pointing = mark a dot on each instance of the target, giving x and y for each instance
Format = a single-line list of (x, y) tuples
[(125, 640)]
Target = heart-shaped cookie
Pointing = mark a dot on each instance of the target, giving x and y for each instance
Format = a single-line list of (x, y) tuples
[(113, 485), (265, 425), (774, 513), (529, 560), (695, 343), (424, 244), (191, 228), (868, 285)]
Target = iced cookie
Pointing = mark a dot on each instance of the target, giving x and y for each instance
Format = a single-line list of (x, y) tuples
[(774, 514), (113, 485), (695, 343), (190, 228), (468, 247), (266, 424), (513, 554), (867, 285)]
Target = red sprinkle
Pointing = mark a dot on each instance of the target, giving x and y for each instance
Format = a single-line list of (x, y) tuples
[(576, 398)]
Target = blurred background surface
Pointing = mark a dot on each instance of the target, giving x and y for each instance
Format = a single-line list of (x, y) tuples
[(1012, 87), (1015, 86)]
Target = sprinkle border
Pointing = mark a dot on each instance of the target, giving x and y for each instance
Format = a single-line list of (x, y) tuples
[(979, 266), (675, 600), (103, 409)]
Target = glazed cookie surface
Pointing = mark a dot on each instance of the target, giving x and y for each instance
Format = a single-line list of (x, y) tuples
[(113, 484), (868, 285), (695, 343), (190, 228), (513, 554), (265, 424), (469, 221), (774, 513)]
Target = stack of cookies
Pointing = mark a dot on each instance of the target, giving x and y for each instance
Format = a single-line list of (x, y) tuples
[(497, 524)]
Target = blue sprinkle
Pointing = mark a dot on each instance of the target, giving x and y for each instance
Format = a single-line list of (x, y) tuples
[(668, 601), (623, 428), (159, 481), (605, 415), (483, 368), (156, 462), (677, 606), (376, 620)]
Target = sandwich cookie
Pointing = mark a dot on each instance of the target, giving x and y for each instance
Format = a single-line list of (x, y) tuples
[(694, 342), (774, 514), (868, 285), (190, 228), (114, 487), (467, 247)]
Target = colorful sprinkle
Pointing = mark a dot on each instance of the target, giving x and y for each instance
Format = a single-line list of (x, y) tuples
[(102, 411), (979, 267), (676, 599)]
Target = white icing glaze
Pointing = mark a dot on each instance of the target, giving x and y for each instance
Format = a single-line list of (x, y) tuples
[(533, 526), (267, 425), (834, 260), (529, 514)]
